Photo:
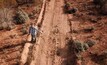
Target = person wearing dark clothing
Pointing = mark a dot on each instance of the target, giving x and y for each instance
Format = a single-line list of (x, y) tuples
[(32, 31)]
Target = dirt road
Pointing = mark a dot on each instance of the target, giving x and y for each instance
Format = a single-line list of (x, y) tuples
[(55, 28)]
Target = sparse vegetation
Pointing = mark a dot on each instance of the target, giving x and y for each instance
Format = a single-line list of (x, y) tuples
[(82, 46), (86, 46), (79, 46), (21, 17), (6, 19), (70, 36), (89, 29), (12, 35), (90, 43)]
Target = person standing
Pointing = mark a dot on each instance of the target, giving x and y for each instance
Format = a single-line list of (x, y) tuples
[(32, 31)]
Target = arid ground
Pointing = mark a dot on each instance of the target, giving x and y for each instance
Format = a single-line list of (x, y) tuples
[(55, 45)]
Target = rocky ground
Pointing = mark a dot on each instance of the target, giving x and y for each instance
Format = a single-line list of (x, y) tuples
[(89, 24), (65, 23), (12, 41)]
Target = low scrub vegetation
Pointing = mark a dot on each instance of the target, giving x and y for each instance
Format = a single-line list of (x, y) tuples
[(82, 46), (21, 17), (10, 16), (6, 19)]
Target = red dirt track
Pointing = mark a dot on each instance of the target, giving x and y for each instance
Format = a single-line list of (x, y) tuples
[(55, 45), (55, 28)]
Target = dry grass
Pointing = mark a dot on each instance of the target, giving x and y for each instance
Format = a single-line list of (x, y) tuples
[(6, 19)]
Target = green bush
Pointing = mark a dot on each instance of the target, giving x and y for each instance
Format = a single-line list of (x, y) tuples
[(85, 46), (21, 17), (79, 46), (90, 43)]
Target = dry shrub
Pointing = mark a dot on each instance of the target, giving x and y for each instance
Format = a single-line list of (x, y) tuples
[(6, 14), (6, 19), (21, 16)]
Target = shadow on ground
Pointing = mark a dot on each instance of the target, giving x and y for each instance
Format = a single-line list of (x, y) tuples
[(99, 59), (67, 54)]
